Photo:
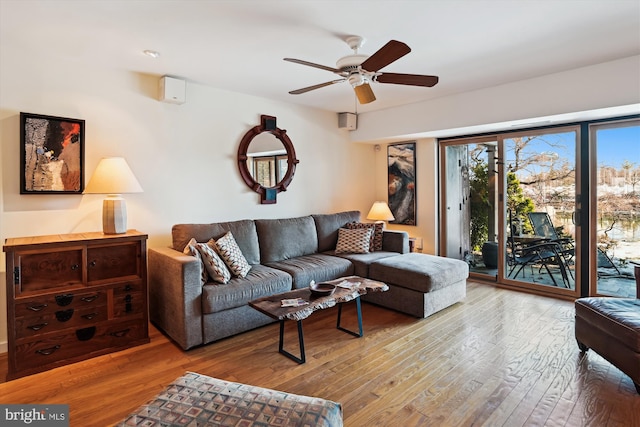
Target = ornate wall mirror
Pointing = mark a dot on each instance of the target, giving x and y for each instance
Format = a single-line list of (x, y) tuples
[(267, 159)]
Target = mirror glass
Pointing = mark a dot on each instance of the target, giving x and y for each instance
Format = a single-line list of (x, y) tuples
[(267, 159)]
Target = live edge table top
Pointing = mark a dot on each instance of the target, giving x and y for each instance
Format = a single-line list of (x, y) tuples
[(272, 306)]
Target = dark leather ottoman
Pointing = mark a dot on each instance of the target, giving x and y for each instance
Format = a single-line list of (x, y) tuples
[(611, 328)]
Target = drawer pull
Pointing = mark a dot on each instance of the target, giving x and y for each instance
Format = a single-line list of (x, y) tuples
[(120, 334), (64, 315), (93, 263), (128, 288), (86, 334), (37, 327), (75, 267), (89, 316), (48, 351), (90, 298), (37, 307), (63, 300)]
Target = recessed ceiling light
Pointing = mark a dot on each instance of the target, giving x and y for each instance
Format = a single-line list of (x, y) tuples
[(151, 53)]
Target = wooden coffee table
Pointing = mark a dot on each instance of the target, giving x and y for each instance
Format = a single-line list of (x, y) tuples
[(272, 306)]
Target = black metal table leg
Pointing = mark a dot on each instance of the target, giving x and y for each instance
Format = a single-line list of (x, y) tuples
[(302, 358), (355, 334)]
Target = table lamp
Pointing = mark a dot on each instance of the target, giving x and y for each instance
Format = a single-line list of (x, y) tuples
[(113, 177), (380, 212)]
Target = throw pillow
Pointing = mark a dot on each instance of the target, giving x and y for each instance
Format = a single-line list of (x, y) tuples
[(356, 241), (376, 237), (215, 266), (192, 250), (230, 252)]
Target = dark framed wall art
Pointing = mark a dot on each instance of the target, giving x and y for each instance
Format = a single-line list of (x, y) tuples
[(401, 162), (51, 155)]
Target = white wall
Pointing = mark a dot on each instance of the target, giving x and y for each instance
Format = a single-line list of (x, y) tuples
[(183, 155)]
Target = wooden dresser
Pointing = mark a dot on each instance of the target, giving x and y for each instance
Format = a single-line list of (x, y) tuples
[(71, 297)]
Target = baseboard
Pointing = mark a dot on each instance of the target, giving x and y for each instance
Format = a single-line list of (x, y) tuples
[(3, 347)]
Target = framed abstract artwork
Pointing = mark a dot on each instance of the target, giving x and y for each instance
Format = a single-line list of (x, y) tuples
[(51, 155), (401, 162)]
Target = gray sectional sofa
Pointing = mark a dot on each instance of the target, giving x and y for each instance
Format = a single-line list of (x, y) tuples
[(284, 254)]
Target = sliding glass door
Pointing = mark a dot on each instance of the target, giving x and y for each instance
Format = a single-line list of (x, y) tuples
[(615, 214), (508, 204), (540, 192)]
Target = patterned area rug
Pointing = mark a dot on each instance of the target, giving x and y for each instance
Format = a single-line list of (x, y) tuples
[(198, 400)]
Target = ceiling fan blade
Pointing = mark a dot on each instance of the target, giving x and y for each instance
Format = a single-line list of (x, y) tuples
[(390, 52), (311, 64), (318, 86), (407, 79), (364, 93)]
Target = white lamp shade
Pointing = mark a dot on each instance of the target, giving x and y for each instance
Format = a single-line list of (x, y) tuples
[(380, 212), (113, 176)]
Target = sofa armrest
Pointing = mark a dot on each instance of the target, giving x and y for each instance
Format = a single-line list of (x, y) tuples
[(395, 241), (175, 295)]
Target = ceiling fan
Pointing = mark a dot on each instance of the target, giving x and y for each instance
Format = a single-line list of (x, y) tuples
[(360, 70)]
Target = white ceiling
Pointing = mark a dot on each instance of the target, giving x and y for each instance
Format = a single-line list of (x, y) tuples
[(239, 45)]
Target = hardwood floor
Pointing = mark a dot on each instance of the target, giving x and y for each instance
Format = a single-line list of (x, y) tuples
[(499, 358)]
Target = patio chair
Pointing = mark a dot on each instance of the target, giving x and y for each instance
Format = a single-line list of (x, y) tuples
[(542, 226), (610, 326), (541, 254)]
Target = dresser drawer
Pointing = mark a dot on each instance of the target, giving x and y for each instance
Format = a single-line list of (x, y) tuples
[(61, 319), (125, 288), (77, 344), (129, 304), (49, 304)]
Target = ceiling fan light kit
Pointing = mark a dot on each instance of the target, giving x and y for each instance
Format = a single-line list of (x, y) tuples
[(360, 70), (364, 93)]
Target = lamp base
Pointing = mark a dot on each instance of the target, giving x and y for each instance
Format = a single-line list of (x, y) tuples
[(114, 215)]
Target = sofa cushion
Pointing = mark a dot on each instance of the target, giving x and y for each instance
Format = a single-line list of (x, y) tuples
[(281, 239), (361, 262), (230, 252), (318, 267), (420, 272), (244, 232), (356, 241), (327, 226), (376, 236), (261, 281), (215, 266)]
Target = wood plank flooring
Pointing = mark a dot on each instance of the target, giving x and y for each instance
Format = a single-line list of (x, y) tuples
[(499, 358)]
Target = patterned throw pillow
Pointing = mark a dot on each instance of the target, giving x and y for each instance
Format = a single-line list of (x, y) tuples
[(192, 250), (376, 237), (230, 252), (215, 266), (356, 241)]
